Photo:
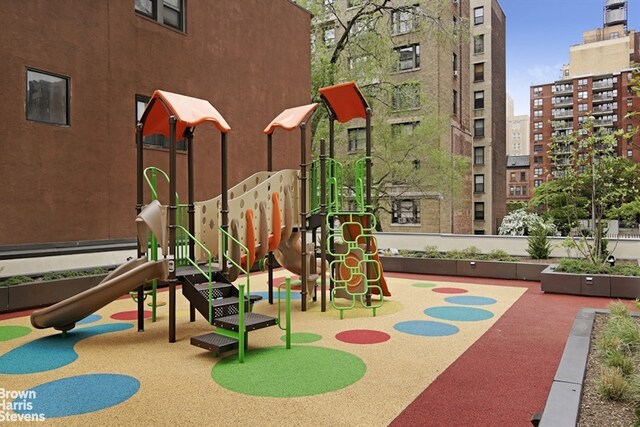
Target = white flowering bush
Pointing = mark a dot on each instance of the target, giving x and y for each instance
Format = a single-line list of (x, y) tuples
[(523, 223)]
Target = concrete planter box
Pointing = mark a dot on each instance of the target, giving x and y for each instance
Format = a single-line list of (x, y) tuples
[(492, 269), (625, 287), (560, 283), (599, 285), (563, 402), (4, 299), (37, 294), (468, 268)]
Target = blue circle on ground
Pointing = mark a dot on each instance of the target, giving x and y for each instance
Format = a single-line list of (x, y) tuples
[(470, 300), (79, 395), (89, 319), (462, 314), (426, 328)]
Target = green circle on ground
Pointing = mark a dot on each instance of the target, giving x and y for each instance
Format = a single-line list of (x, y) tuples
[(11, 332), (424, 285), (302, 337), (299, 371)]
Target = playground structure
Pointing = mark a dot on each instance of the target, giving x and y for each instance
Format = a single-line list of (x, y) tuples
[(207, 245)]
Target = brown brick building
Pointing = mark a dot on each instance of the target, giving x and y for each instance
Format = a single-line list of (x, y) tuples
[(75, 75)]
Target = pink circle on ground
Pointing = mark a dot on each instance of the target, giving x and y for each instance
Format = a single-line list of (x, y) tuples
[(129, 315), (450, 290), (362, 336)]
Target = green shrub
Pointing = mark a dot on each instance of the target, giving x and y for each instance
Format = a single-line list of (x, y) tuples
[(432, 251), (500, 255), (15, 280), (620, 360), (619, 309), (581, 266), (627, 330), (539, 246), (612, 384)]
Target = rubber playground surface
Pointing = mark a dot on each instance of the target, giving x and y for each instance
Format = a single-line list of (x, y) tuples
[(440, 352)]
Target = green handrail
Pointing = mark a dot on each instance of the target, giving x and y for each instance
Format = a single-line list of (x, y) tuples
[(208, 275)]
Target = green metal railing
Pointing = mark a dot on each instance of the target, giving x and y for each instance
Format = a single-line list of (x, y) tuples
[(240, 335)]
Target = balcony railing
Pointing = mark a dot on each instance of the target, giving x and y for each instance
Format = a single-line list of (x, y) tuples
[(602, 84), (561, 101), (563, 114), (602, 98), (562, 89)]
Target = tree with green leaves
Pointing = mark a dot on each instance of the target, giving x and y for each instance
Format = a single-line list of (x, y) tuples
[(590, 183), (411, 141)]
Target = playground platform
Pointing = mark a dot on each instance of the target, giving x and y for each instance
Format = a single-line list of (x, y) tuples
[(441, 351)]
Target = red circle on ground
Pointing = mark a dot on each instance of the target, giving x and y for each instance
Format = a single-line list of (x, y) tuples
[(129, 315), (278, 280), (450, 290), (362, 336)]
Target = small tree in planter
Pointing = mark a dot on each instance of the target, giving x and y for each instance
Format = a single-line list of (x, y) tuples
[(539, 246)]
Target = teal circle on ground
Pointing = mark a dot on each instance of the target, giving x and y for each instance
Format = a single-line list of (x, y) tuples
[(470, 300), (462, 314), (10, 332), (426, 328), (302, 337), (424, 285), (299, 371)]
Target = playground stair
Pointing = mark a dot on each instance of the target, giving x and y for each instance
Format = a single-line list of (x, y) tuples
[(224, 311)]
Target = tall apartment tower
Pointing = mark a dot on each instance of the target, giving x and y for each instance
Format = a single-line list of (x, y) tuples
[(424, 62), (596, 82), (489, 115), (517, 132)]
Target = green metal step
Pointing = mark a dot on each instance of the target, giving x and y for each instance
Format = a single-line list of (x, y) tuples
[(214, 342), (252, 321)]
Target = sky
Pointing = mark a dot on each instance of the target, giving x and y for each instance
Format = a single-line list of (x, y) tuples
[(539, 35)]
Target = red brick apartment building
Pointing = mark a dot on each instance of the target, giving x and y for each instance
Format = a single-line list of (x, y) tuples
[(75, 75), (596, 82)]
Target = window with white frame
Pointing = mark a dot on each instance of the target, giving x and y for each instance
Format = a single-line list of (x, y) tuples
[(404, 20), (478, 128), (478, 211), (167, 12), (537, 114), (537, 90), (537, 125), (478, 43), (408, 57), (478, 155), (406, 96), (478, 183), (357, 139), (478, 15), (537, 102), (47, 97), (537, 172), (478, 99), (405, 211), (329, 35), (537, 137)]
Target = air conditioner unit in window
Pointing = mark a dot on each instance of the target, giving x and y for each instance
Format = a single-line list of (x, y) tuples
[(455, 73)]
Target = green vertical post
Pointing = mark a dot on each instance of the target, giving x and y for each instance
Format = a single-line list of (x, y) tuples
[(241, 328), (288, 312)]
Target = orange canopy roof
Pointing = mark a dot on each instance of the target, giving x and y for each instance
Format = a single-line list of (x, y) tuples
[(345, 100), (291, 118), (189, 111)]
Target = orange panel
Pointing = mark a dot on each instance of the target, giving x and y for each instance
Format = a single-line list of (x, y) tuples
[(291, 118), (345, 100)]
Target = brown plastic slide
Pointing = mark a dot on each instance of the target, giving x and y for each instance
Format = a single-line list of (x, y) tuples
[(130, 275)]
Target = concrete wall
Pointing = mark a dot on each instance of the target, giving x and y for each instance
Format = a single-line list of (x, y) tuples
[(250, 59), (513, 245)]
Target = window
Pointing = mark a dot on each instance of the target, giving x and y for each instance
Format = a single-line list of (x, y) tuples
[(582, 107), (478, 211), (406, 96), (357, 139), (157, 140), (478, 128), (478, 183), (478, 72), (404, 20), (329, 35), (537, 148), (537, 172), (582, 82), (537, 125), (537, 90), (168, 12), (523, 176), (47, 98), (537, 182), (478, 232), (478, 15), (582, 94), (478, 99), (629, 102), (537, 102), (512, 177), (629, 153), (537, 137), (478, 155), (403, 129), (537, 114), (409, 57), (537, 160), (455, 64), (478, 43), (405, 211), (455, 102)]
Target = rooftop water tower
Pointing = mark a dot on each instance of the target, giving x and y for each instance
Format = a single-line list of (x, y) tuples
[(615, 13)]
